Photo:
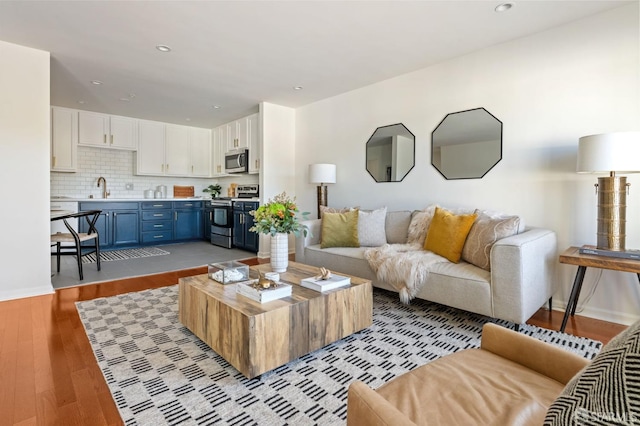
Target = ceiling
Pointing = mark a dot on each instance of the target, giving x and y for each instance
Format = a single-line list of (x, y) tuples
[(236, 54)]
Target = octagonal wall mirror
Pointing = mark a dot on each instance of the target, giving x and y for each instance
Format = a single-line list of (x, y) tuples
[(390, 153), (466, 144)]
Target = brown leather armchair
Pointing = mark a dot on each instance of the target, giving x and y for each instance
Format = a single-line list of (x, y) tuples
[(511, 379)]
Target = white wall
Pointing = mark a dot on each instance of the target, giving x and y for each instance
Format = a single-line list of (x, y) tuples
[(548, 90), (278, 174), (24, 161)]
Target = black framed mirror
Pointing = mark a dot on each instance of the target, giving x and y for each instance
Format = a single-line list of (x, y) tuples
[(466, 144), (390, 153)]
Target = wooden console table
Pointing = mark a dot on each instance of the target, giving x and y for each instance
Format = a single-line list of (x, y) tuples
[(572, 256)]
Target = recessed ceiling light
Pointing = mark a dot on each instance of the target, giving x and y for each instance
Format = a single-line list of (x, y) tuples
[(297, 88), (132, 95), (125, 99), (187, 119), (163, 48), (81, 102), (96, 82), (216, 107), (503, 7)]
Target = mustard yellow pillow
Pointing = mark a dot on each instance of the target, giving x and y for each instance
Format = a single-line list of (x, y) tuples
[(447, 233), (339, 229)]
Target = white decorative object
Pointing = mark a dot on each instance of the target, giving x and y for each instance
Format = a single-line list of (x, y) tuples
[(322, 285), (273, 276), (279, 252), (228, 272), (250, 290)]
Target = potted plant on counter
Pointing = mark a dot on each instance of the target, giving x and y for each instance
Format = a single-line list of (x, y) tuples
[(278, 218), (214, 190)]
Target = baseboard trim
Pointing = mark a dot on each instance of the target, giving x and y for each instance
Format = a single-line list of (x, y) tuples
[(29, 292), (597, 313)]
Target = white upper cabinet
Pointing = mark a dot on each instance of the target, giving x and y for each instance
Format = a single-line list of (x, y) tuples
[(253, 136), (200, 152), (219, 148), (150, 157), (64, 139), (173, 150), (177, 153), (107, 131)]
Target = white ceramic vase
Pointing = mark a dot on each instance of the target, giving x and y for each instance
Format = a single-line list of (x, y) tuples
[(279, 252)]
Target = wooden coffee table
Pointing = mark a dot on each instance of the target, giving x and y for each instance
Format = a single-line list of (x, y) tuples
[(258, 337)]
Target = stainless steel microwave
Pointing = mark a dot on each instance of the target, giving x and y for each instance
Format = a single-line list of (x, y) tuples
[(237, 161)]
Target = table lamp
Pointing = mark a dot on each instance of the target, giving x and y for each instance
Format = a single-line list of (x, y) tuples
[(610, 153), (322, 174)]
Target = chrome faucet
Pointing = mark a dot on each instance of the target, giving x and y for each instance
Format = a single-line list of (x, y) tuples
[(105, 193)]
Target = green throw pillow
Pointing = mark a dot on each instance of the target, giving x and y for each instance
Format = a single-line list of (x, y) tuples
[(340, 230)]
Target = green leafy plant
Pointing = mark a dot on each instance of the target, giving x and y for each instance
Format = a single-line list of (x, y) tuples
[(278, 215), (214, 190)]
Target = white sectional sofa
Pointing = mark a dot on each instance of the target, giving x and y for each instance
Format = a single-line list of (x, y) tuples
[(521, 277)]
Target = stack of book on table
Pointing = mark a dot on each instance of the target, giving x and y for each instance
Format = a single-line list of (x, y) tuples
[(622, 254), (333, 282), (262, 295)]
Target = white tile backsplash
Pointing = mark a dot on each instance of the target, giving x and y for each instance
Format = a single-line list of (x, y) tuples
[(117, 167)]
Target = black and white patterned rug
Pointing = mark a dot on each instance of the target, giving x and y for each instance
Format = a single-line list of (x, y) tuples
[(108, 256), (160, 373)]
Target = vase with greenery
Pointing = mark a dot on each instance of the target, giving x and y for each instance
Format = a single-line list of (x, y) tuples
[(214, 190), (278, 218)]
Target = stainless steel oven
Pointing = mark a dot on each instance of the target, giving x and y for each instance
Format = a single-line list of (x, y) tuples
[(222, 222)]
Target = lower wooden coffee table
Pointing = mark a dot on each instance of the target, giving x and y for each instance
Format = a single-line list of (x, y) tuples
[(258, 337)]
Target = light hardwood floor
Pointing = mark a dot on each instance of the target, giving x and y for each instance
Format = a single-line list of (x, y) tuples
[(49, 375)]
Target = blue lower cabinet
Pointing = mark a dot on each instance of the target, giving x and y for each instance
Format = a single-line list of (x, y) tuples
[(117, 225), (156, 222), (187, 220), (242, 222)]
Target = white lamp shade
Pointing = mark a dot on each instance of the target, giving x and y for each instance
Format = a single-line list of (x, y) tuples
[(609, 152), (322, 173)]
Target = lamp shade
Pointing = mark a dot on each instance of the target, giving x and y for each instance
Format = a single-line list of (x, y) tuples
[(322, 173), (609, 152)]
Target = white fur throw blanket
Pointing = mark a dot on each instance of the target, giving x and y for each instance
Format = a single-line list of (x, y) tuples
[(405, 266)]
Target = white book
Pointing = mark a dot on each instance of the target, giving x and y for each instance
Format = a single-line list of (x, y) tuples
[(246, 289), (335, 281)]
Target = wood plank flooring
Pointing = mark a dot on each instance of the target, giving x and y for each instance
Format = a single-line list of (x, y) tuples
[(49, 375)]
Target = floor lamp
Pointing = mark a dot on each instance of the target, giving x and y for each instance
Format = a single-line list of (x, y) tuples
[(322, 174), (610, 153)]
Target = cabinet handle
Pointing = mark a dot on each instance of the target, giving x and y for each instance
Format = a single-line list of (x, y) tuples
[(157, 226), (158, 215), (167, 167), (104, 138), (115, 214), (158, 236), (162, 168), (111, 139), (54, 161), (158, 205), (192, 168), (210, 216), (175, 215)]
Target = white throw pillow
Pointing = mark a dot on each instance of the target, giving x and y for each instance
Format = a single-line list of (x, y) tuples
[(371, 231)]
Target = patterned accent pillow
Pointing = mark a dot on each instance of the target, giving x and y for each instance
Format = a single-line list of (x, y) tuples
[(371, 231), (325, 209), (484, 233), (605, 392), (420, 220), (447, 233)]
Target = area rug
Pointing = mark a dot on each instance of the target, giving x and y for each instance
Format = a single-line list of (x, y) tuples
[(160, 373), (108, 256)]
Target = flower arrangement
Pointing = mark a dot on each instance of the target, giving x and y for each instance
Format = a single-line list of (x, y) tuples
[(214, 190), (278, 215)]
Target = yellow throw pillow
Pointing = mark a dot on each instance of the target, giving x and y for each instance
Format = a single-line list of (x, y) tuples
[(447, 233), (340, 229)]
